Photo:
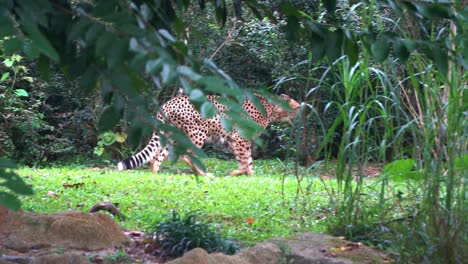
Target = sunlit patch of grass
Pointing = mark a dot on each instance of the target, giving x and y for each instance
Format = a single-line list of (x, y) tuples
[(246, 208)]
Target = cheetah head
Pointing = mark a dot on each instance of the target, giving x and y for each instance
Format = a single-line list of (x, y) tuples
[(283, 115)]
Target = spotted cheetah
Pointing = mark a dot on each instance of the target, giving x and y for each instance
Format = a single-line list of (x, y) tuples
[(180, 112)]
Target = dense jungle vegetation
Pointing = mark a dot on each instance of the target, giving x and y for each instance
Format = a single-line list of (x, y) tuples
[(382, 82)]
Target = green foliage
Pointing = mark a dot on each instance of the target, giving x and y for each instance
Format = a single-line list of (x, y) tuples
[(20, 116), (41, 122), (11, 186), (120, 256), (145, 44), (180, 234), (224, 202), (108, 138), (385, 81), (402, 170)]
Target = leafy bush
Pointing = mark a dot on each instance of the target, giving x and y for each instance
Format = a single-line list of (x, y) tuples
[(42, 121), (183, 233)]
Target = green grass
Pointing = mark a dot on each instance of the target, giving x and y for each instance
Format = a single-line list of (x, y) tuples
[(269, 198)]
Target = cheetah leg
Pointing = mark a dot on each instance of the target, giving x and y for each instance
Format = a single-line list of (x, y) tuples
[(195, 168), (160, 155), (198, 139), (155, 163), (243, 153)]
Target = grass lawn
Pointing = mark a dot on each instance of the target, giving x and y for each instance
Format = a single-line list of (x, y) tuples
[(246, 208)]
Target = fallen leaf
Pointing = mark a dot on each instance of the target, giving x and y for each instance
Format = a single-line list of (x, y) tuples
[(52, 194), (73, 185)]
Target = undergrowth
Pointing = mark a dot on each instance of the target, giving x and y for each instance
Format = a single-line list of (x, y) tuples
[(247, 209), (182, 233)]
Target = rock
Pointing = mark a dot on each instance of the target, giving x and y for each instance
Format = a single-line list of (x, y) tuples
[(61, 259), (323, 249), (23, 231), (300, 249), (15, 260), (266, 253), (196, 255)]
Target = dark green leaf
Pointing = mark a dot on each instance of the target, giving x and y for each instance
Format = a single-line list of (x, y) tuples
[(197, 162), (77, 30), (208, 110), (14, 182), (31, 50), (330, 5), (12, 45), (221, 12), (351, 49), (179, 26), (10, 201), (6, 26), (226, 123), (237, 8), (106, 91), (257, 103), (197, 96), (103, 43), (4, 163), (409, 44), (432, 10), (441, 59), (44, 67), (89, 79), (135, 133), (400, 50), (124, 81), (334, 42), (168, 72), (189, 72), (153, 66), (93, 33), (38, 39), (380, 49), (117, 52), (109, 118), (217, 85)]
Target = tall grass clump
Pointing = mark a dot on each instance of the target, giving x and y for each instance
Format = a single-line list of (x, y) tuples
[(366, 115), (438, 232), (416, 126), (410, 116)]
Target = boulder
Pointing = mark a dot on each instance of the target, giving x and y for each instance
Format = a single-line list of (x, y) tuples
[(324, 249), (23, 231), (300, 249), (61, 259), (265, 253)]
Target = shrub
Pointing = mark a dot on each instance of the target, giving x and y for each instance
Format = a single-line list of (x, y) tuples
[(180, 234)]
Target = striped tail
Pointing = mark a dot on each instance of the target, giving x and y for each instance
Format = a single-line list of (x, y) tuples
[(142, 157)]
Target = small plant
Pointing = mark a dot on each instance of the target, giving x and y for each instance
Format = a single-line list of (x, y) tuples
[(183, 233), (120, 256), (108, 138)]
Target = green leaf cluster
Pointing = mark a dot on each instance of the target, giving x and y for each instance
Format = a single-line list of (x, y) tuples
[(331, 38), (182, 233), (108, 138), (11, 185)]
